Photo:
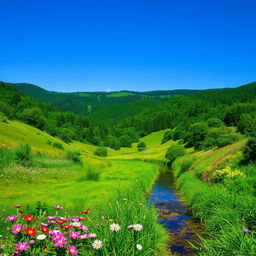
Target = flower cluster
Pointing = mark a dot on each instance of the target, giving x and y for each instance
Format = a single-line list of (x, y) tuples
[(37, 235)]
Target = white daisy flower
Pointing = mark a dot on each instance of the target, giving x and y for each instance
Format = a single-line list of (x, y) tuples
[(97, 244), (137, 227), (41, 237), (115, 227), (138, 246)]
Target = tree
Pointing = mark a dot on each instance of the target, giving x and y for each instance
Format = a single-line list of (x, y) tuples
[(141, 146), (66, 135), (34, 117), (175, 151), (249, 151), (101, 151), (125, 141), (168, 135), (214, 122)]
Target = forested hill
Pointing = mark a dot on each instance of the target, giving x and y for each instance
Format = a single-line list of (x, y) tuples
[(229, 105), (101, 105)]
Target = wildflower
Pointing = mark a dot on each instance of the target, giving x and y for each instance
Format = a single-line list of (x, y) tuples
[(92, 235), (103, 218), (246, 230), (72, 250), (66, 226), (74, 219), (76, 224), (51, 221), (84, 236), (17, 206), (20, 211), (73, 235), (22, 246), (85, 211), (60, 242), (29, 218), (62, 218), (97, 244), (30, 231), (115, 227), (137, 227), (56, 235), (41, 237), (84, 228), (12, 218), (58, 207), (44, 224), (80, 218), (31, 241), (61, 221), (138, 246), (130, 226), (45, 229), (51, 218), (17, 228)]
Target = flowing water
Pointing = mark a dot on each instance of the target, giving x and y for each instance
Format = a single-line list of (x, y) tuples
[(174, 215)]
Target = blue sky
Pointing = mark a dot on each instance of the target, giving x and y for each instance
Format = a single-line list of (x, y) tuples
[(128, 45)]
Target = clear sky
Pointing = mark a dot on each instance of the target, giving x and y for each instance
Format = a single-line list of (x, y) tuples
[(76, 45)]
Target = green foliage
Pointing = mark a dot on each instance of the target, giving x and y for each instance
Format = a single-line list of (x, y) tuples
[(92, 173), (33, 116), (74, 156), (101, 151), (168, 135), (247, 124), (185, 165), (3, 118), (141, 146), (214, 122), (66, 135), (125, 141), (175, 151), (24, 156), (57, 145), (6, 157), (227, 139), (249, 151)]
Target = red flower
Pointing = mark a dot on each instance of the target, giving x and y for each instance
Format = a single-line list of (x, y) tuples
[(85, 211), (29, 217), (30, 231), (21, 211), (61, 221), (66, 226), (45, 229)]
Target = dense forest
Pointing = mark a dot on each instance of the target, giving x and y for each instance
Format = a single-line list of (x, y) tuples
[(201, 120)]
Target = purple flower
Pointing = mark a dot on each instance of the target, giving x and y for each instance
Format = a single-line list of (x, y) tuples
[(84, 236), (31, 241), (12, 218), (51, 218), (246, 230), (60, 242), (17, 206), (72, 250), (84, 228), (17, 228), (56, 235), (22, 246), (74, 219), (73, 235), (58, 207), (80, 218)]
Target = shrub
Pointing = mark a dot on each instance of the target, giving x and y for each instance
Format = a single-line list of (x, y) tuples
[(57, 145), (168, 135), (186, 164), (249, 151), (227, 139), (23, 155), (174, 152), (6, 157), (214, 122), (49, 142), (75, 157), (101, 151), (3, 118), (141, 146)]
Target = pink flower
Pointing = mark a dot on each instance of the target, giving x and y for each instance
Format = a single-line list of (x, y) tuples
[(17, 228), (51, 221), (246, 230), (80, 218), (31, 241), (103, 218), (84, 236), (72, 250), (92, 235), (58, 207), (73, 235), (130, 227), (12, 218), (84, 228), (74, 219), (62, 218), (60, 242), (22, 246), (17, 206), (57, 235), (51, 218)]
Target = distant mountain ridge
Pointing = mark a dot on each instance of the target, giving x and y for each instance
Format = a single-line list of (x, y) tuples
[(101, 105)]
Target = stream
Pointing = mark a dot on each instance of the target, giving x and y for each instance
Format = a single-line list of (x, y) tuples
[(174, 215)]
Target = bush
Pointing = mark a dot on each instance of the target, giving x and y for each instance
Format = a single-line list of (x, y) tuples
[(214, 122), (249, 151), (23, 155), (3, 118), (174, 152), (75, 157), (186, 164), (101, 151), (57, 145), (125, 141), (227, 139), (141, 146), (168, 135)]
